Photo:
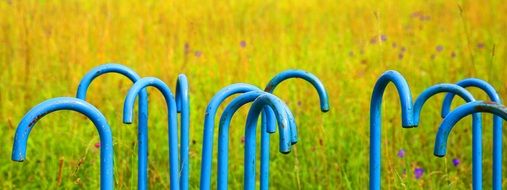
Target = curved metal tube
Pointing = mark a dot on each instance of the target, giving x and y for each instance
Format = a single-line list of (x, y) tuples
[(460, 112), (143, 113), (67, 103), (183, 107), (223, 137), (172, 118), (309, 77), (476, 124), (375, 118), (209, 123), (497, 124), (270, 87), (250, 135), (453, 117)]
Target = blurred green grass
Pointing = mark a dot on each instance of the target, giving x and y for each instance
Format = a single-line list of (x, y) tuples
[(47, 46)]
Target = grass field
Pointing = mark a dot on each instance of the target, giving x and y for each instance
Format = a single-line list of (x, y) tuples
[(46, 47)]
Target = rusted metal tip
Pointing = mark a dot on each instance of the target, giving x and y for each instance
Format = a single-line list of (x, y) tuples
[(410, 126), (269, 88)]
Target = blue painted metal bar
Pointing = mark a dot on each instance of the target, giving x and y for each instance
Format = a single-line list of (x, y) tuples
[(410, 118), (73, 104), (172, 120), (209, 123), (497, 124), (476, 124), (307, 76), (142, 183), (250, 135), (183, 107), (453, 117), (270, 87), (375, 118), (460, 112), (223, 137)]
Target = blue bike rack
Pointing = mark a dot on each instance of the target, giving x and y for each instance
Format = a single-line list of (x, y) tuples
[(223, 137), (453, 117), (65, 103), (497, 124), (182, 101), (250, 135), (171, 117), (142, 183), (267, 123), (410, 118), (276, 115)]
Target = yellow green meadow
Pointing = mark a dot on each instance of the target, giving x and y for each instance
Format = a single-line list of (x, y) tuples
[(46, 46)]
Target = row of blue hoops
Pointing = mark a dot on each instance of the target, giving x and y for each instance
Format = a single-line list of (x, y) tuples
[(275, 113)]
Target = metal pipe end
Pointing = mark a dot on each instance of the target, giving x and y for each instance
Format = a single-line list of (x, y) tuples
[(127, 117), (410, 126), (18, 157), (439, 155), (127, 121)]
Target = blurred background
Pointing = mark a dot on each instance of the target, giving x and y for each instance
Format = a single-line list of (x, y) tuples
[(46, 47)]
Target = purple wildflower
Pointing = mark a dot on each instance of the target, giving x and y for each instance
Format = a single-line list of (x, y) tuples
[(480, 45), (97, 145), (455, 162), (383, 37), (401, 153), (439, 48), (416, 14), (418, 172), (242, 44), (424, 18), (198, 53)]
